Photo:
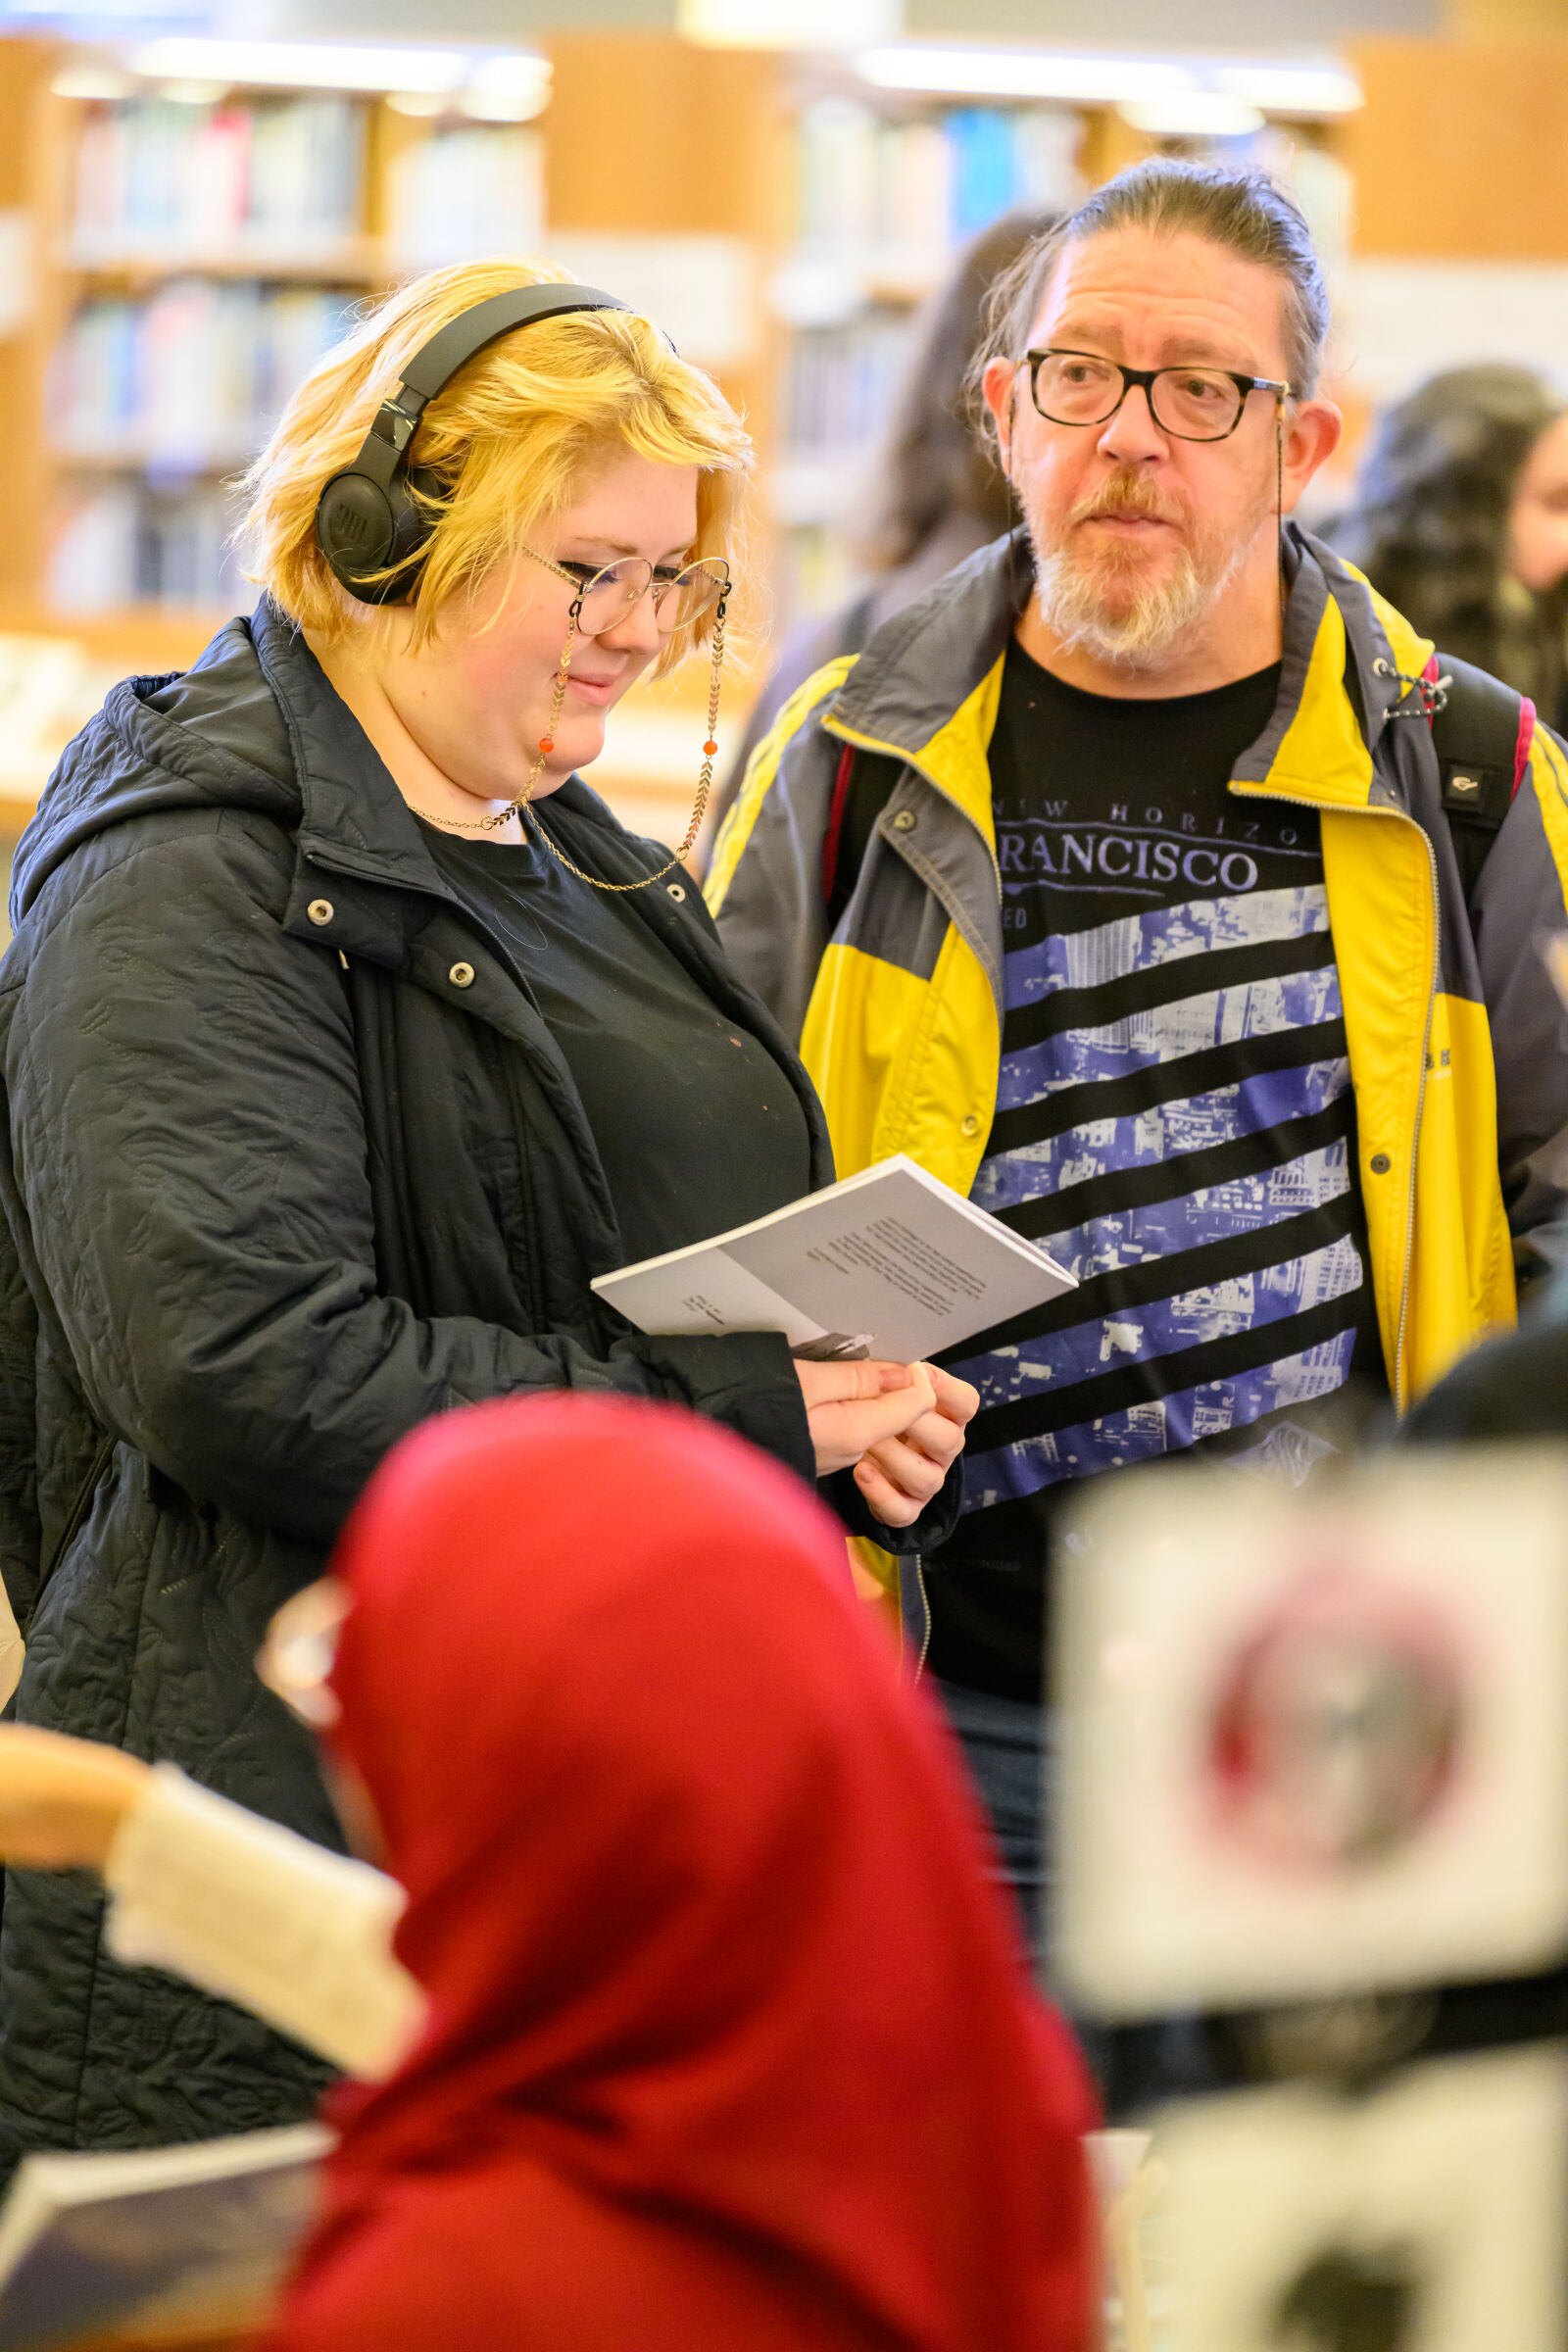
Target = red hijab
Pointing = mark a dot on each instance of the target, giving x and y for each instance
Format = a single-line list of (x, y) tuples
[(730, 2046)]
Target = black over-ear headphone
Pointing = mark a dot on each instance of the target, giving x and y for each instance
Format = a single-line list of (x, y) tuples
[(365, 519)]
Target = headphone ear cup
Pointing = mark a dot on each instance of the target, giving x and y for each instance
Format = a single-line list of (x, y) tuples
[(355, 529), (410, 522), (362, 529)]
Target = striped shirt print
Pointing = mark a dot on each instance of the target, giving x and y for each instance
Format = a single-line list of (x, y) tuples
[(1174, 1124)]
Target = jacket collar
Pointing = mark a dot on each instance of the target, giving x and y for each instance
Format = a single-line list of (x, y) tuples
[(927, 686), (1349, 670), (353, 818)]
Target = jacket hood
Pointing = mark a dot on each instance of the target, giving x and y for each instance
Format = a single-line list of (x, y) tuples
[(255, 724), (211, 736)]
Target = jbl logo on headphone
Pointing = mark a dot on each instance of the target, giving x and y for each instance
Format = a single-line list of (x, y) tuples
[(351, 529)]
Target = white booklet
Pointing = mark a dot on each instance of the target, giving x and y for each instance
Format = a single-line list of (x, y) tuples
[(146, 2243), (890, 1263)]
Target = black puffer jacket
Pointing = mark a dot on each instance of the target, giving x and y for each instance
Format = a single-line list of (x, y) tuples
[(276, 1187)]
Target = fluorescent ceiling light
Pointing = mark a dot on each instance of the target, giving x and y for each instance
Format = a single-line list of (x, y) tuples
[(301, 65), (788, 23), (1314, 87), (507, 89), (1292, 89), (90, 81), (1193, 115), (980, 72)]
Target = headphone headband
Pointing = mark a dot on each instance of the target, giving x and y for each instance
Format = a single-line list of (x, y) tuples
[(366, 520)]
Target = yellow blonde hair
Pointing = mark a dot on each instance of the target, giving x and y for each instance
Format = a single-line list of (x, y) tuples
[(508, 441)]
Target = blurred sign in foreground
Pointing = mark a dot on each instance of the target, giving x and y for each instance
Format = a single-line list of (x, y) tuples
[(1315, 1743)]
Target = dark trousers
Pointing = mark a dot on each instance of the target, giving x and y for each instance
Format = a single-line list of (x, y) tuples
[(1009, 1749)]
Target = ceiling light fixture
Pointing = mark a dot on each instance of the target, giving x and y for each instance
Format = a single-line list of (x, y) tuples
[(92, 78), (1193, 115), (1309, 89), (1306, 90), (806, 24), (982, 72), (313, 64), (507, 89)]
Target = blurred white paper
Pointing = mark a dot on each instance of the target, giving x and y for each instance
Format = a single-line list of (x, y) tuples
[(1314, 1741), (1425, 2217)]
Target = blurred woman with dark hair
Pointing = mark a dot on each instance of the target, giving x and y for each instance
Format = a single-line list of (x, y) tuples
[(939, 494), (1461, 521)]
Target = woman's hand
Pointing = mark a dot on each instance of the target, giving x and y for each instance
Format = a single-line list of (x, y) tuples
[(898, 1426), (901, 1474), (61, 1801)]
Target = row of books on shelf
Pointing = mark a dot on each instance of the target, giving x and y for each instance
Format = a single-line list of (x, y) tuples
[(864, 180), (284, 178), (132, 543), (153, 174), (840, 382), (195, 376), (473, 188)]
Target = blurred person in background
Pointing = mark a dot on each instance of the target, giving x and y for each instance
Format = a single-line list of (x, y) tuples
[(330, 1083), (1460, 520), (721, 2039), (1115, 882), (939, 492)]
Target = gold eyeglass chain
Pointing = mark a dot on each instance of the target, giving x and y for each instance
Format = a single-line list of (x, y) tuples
[(522, 804)]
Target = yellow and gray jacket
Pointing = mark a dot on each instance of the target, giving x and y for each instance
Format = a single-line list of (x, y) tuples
[(1460, 1077)]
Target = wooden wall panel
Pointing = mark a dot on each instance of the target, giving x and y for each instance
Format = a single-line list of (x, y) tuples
[(33, 161), (1460, 152), (644, 132), (649, 135)]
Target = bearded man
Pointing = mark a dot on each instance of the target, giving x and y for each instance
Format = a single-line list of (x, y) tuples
[(1139, 882)]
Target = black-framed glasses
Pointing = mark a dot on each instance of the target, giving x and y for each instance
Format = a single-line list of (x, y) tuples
[(1191, 403), (607, 593)]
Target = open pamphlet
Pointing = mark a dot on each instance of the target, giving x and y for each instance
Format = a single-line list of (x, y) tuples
[(142, 2244), (890, 1263)]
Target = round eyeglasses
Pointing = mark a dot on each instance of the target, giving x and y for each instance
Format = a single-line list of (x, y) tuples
[(605, 594), (1190, 404)]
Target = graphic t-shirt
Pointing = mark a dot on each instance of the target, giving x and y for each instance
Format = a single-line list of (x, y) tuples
[(1174, 1122)]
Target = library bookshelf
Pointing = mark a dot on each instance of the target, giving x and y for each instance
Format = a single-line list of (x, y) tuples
[(192, 252), (179, 259)]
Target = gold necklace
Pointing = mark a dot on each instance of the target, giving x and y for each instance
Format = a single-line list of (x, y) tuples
[(522, 806)]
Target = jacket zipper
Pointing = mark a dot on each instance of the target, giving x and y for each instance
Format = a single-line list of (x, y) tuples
[(926, 1611), (1297, 801), (79, 1504)]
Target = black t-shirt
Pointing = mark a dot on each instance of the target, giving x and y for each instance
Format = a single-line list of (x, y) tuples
[(697, 1126), (1174, 1122)]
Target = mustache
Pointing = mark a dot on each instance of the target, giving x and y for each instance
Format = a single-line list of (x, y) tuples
[(1126, 493)]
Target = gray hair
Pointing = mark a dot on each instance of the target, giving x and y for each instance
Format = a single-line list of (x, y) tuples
[(1246, 211)]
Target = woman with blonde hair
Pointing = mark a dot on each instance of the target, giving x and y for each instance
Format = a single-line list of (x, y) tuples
[(345, 1037)]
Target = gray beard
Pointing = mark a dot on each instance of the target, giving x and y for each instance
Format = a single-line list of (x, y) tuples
[(1135, 636)]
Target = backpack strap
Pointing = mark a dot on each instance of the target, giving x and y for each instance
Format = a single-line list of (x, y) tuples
[(1481, 732), (861, 789)]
